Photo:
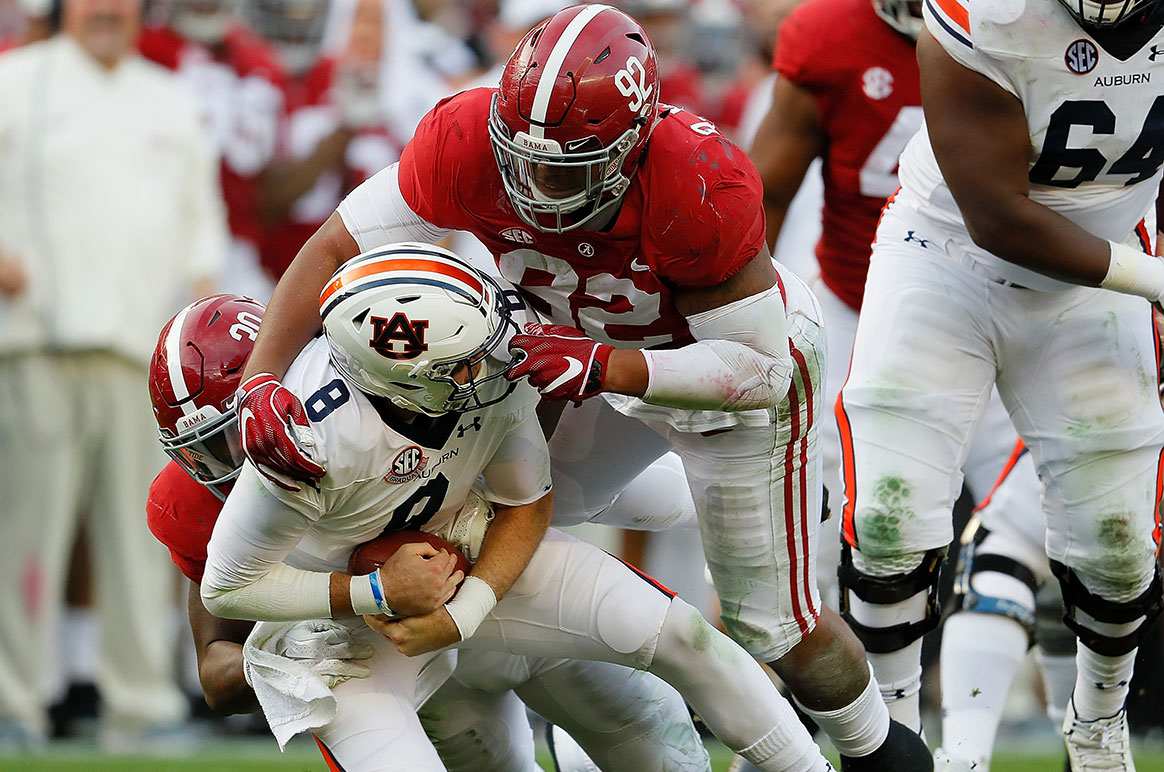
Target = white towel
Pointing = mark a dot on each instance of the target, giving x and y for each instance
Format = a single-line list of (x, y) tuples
[(293, 697)]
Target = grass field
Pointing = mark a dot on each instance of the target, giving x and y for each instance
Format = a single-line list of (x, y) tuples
[(301, 759)]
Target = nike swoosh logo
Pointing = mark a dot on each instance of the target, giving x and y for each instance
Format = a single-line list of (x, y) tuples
[(637, 266), (573, 368)]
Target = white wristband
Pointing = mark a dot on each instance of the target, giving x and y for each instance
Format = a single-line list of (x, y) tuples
[(1133, 272), (363, 592), (472, 604)]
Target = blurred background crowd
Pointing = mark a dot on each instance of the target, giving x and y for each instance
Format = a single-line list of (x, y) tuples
[(128, 189)]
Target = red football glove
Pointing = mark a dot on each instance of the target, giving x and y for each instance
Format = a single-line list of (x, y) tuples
[(275, 433), (560, 361)]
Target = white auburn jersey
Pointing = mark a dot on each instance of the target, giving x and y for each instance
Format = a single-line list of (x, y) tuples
[(1096, 122), (384, 474)]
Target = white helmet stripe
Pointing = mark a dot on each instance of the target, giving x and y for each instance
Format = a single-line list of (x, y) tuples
[(541, 101), (174, 363)]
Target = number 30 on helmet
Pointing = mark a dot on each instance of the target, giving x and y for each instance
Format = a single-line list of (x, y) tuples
[(575, 107), (194, 371)]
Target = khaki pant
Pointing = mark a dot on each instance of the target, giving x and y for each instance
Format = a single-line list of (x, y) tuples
[(77, 437)]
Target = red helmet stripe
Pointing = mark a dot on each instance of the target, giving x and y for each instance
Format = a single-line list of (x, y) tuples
[(174, 363), (393, 264), (549, 75)]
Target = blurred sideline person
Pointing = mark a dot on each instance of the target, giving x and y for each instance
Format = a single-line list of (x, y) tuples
[(681, 308), (238, 81), (408, 401), (109, 217), (856, 110), (194, 373), (1018, 253), (350, 105)]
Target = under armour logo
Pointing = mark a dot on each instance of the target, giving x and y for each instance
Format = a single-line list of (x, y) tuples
[(399, 337), (475, 426), (1155, 51), (925, 243)]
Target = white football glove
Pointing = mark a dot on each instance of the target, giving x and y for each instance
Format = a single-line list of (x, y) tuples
[(328, 650), (468, 527)]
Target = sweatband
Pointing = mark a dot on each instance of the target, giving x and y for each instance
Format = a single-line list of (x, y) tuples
[(1133, 272), (473, 602), (367, 595)]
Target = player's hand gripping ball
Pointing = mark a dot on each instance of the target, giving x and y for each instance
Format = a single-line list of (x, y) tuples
[(369, 556)]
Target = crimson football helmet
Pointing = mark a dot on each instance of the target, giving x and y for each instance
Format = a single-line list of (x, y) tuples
[(575, 108), (294, 27), (194, 372)]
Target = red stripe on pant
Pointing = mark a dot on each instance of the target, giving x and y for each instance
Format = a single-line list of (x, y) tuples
[(790, 504), (328, 757), (1019, 449), (806, 380), (647, 578)]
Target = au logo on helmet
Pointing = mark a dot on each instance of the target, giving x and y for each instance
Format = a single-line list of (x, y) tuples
[(398, 337)]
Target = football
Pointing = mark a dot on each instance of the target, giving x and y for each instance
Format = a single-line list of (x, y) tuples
[(369, 556)]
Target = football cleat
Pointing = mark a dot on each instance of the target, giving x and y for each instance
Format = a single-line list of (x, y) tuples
[(944, 762), (1102, 745)]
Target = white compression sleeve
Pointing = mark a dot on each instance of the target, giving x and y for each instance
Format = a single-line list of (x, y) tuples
[(740, 360), (375, 213), (245, 577)]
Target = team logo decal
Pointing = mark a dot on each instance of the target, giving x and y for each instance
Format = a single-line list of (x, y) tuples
[(517, 236), (407, 465), (398, 337), (877, 83), (1081, 57), (586, 249)]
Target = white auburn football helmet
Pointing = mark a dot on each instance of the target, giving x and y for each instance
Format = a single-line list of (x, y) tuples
[(1099, 15), (905, 16), (417, 325)]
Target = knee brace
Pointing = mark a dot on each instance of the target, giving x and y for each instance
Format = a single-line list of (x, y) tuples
[(886, 590), (1075, 596), (1051, 634), (972, 561)]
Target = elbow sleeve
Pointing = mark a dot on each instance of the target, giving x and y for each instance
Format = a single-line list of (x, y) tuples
[(282, 594), (740, 360)]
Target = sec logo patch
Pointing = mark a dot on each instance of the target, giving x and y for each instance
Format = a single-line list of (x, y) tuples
[(407, 465), (1081, 57)]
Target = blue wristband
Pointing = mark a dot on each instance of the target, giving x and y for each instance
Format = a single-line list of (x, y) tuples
[(378, 593)]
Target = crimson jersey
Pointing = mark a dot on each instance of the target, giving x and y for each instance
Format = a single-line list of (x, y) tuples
[(181, 513), (692, 217), (310, 116), (239, 92), (864, 77)]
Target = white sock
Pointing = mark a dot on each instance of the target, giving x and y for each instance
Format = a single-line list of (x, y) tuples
[(1102, 684), (858, 728), (1058, 672), (80, 642), (732, 694), (782, 750), (981, 653)]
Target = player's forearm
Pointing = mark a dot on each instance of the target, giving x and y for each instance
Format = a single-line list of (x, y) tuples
[(1030, 235), (292, 318), (220, 671), (512, 539), (284, 182)]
